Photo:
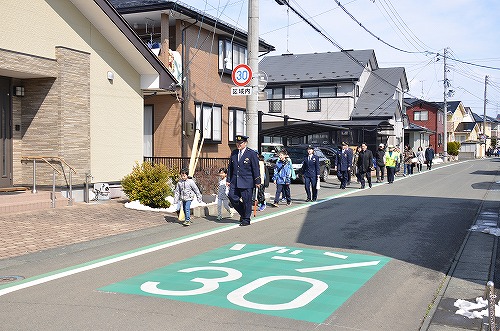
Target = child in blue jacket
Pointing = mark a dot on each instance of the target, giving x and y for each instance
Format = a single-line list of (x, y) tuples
[(282, 178)]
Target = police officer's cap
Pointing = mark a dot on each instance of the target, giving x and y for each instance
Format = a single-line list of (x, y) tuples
[(241, 138), (310, 147)]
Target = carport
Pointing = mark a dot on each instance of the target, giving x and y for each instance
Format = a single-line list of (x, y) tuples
[(372, 131)]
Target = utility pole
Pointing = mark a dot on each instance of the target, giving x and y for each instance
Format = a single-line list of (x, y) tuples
[(253, 62), (484, 109), (446, 84)]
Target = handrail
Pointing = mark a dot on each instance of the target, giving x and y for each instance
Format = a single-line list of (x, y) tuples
[(33, 158), (47, 160)]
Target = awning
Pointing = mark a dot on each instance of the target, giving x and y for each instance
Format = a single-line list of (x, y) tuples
[(418, 128), (301, 129)]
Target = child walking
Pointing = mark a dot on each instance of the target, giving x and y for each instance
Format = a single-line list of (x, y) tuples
[(264, 182), (222, 199), (282, 178), (185, 192)]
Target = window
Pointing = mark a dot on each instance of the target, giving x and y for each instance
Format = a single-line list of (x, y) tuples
[(310, 92), (209, 121), (274, 93), (327, 91), (230, 55), (319, 92), (440, 139), (292, 92), (314, 105), (275, 106), (237, 122), (147, 149), (422, 115)]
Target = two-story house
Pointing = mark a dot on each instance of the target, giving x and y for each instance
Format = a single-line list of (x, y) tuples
[(462, 127), (333, 97), (72, 91), (426, 124), (202, 50)]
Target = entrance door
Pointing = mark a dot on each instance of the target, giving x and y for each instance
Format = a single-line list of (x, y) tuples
[(5, 134)]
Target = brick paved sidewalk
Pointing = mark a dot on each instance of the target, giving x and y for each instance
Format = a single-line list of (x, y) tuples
[(28, 232)]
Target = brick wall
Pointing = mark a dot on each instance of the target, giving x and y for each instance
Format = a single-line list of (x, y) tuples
[(203, 84)]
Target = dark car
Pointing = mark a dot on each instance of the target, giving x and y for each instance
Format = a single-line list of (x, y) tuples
[(331, 153), (297, 154)]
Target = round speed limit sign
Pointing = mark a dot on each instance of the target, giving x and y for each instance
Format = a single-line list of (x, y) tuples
[(242, 74)]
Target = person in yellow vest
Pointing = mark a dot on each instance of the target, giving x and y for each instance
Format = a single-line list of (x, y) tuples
[(391, 159)]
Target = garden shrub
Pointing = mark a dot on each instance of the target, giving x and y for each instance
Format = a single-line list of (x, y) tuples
[(150, 184), (453, 148)]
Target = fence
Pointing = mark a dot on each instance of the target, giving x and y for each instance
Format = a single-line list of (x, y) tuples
[(205, 173)]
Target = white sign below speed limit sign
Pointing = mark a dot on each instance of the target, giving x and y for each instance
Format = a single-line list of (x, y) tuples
[(241, 75)]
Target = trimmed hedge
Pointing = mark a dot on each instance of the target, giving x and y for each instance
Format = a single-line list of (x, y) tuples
[(453, 148)]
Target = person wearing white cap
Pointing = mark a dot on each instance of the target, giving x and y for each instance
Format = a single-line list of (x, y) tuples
[(380, 162)]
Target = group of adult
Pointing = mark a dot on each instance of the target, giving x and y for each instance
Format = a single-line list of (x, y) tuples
[(244, 175), (391, 160)]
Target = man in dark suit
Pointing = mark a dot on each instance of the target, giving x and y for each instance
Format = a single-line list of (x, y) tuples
[(243, 175), (344, 162), (365, 166), (310, 173), (429, 156)]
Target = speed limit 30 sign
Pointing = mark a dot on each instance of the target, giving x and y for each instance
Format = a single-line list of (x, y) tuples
[(296, 283), (241, 75)]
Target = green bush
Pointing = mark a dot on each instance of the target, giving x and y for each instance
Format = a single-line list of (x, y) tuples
[(150, 184), (453, 148)]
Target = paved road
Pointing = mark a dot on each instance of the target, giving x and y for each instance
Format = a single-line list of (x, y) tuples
[(385, 253)]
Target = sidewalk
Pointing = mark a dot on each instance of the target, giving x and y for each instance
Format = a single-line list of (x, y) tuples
[(472, 268)]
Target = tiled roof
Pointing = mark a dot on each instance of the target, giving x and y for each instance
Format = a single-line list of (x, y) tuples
[(377, 97), (316, 67)]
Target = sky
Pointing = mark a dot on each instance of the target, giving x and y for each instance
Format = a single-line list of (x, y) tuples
[(411, 34)]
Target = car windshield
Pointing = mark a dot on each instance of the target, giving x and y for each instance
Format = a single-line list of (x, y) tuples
[(297, 154)]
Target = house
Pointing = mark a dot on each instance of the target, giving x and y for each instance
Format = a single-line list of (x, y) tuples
[(426, 124), (72, 92), (463, 128), (488, 131), (332, 97), (204, 49)]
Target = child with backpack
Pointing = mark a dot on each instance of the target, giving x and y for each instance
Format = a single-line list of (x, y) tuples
[(282, 178), (185, 192)]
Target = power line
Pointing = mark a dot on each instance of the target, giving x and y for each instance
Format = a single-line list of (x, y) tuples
[(371, 33)]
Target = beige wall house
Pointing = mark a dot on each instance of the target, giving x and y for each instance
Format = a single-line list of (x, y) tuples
[(72, 88)]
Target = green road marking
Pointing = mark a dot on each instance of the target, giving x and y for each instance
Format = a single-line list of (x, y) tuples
[(296, 283)]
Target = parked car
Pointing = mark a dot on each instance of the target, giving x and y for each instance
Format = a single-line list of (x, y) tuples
[(331, 153), (297, 154)]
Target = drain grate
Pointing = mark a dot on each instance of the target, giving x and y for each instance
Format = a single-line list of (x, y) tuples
[(8, 279)]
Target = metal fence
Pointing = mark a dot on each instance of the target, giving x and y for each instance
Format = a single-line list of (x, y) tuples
[(205, 174)]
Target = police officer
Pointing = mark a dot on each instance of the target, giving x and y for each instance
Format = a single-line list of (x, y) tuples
[(310, 172), (243, 175)]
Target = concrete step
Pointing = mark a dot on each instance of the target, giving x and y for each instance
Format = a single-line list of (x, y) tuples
[(13, 202)]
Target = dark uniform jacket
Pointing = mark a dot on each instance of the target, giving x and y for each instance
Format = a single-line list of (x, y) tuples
[(344, 160), (310, 168), (246, 172)]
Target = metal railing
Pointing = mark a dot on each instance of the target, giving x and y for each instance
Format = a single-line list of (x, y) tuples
[(49, 160), (205, 172)]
